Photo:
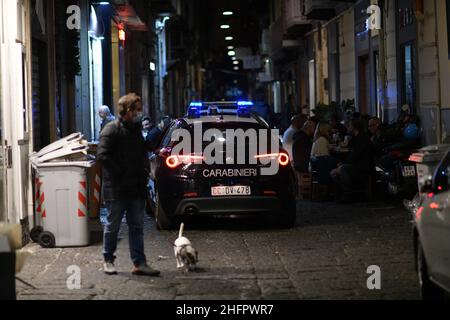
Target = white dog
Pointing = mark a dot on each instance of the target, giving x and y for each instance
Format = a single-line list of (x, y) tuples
[(186, 255)]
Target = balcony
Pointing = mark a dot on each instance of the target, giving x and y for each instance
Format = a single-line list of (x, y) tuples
[(296, 24), (164, 7), (276, 31), (320, 9), (280, 46)]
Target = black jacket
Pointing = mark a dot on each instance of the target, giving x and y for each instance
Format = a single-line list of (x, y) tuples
[(301, 150), (122, 152), (361, 154)]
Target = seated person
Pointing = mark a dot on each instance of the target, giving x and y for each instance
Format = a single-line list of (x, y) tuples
[(377, 136), (297, 123), (337, 127), (301, 148), (321, 145), (358, 165), (321, 161)]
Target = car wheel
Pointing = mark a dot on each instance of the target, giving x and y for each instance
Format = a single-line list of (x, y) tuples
[(35, 233), (428, 289), (163, 222), (47, 240)]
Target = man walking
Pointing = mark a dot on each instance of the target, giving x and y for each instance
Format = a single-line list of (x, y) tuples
[(122, 152)]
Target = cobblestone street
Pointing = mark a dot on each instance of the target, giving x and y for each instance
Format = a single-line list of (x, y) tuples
[(325, 257)]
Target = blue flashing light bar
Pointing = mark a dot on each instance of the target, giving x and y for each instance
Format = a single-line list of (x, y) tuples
[(193, 112), (245, 103), (196, 104)]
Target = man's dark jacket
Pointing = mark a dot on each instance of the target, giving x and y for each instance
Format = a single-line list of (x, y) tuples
[(361, 154), (122, 152), (301, 150)]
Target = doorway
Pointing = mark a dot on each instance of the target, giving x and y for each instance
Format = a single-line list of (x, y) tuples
[(364, 84), (408, 90)]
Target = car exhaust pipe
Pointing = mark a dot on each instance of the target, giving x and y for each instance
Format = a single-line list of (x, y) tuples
[(190, 210)]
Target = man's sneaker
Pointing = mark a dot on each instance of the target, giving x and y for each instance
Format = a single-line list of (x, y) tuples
[(145, 270), (109, 268)]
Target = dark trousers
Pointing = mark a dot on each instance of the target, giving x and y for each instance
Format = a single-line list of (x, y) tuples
[(350, 178)]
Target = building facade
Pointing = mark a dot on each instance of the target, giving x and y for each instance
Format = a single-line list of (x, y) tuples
[(59, 62), (381, 54)]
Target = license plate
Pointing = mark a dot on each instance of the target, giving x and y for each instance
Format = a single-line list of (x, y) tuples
[(231, 191), (409, 171)]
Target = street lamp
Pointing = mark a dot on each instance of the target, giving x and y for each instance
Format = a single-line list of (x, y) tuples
[(231, 53), (229, 38), (228, 13), (225, 26)]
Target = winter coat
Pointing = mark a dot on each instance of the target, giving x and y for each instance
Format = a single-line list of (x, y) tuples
[(122, 152)]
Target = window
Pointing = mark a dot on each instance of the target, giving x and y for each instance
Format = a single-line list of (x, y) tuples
[(167, 137)]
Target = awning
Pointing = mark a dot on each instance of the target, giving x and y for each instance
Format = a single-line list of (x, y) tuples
[(127, 16)]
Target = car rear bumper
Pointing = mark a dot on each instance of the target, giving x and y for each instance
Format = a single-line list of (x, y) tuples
[(228, 206)]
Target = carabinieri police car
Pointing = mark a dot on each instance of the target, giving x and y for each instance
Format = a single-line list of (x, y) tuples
[(221, 159)]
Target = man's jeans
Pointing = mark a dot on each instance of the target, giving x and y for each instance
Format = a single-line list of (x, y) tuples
[(135, 210)]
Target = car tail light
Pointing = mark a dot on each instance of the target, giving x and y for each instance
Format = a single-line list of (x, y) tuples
[(191, 195), (283, 158), (175, 161), (434, 206)]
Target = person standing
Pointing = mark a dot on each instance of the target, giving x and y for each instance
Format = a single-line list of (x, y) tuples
[(123, 154), (147, 127), (288, 138), (105, 115), (301, 149)]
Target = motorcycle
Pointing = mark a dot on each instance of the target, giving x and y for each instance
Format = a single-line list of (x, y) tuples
[(395, 172)]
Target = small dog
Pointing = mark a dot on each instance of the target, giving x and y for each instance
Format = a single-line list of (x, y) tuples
[(186, 255)]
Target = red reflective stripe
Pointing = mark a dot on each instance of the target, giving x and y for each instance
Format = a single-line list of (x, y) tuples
[(42, 199), (82, 198), (83, 184), (44, 214), (81, 214)]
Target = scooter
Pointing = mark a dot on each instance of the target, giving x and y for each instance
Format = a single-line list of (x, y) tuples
[(396, 174)]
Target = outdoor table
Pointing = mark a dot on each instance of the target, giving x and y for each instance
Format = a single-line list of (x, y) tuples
[(340, 153)]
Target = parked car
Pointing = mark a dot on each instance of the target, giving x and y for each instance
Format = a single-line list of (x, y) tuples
[(432, 235)]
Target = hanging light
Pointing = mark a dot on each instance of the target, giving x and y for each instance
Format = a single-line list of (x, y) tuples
[(122, 35)]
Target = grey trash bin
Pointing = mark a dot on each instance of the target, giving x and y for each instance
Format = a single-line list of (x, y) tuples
[(62, 196)]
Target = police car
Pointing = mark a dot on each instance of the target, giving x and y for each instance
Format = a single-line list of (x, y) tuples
[(221, 159)]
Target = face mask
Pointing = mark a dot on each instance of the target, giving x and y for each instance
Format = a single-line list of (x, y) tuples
[(138, 118)]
